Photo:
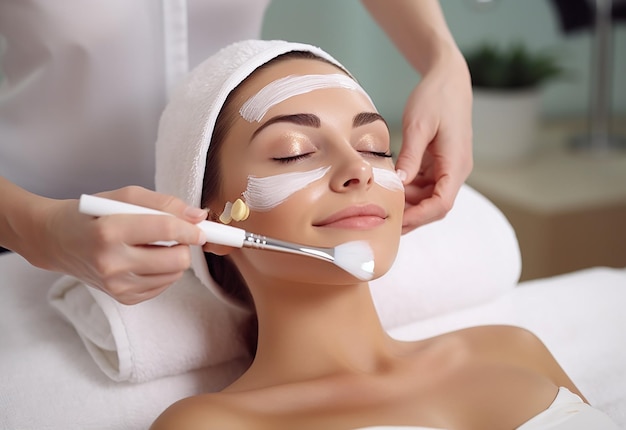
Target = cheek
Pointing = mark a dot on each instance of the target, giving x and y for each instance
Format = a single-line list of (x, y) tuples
[(234, 181), (386, 244), (287, 220)]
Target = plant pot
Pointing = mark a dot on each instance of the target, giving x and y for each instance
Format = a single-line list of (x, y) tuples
[(505, 125)]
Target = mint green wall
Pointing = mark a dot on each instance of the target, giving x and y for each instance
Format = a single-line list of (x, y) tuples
[(343, 28)]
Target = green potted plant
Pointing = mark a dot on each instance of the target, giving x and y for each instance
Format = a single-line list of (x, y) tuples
[(506, 84)]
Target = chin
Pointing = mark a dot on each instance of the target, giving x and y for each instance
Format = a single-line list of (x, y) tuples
[(383, 260), (385, 243)]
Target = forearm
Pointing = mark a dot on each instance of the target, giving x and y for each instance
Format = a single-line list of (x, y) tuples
[(418, 29), (18, 216)]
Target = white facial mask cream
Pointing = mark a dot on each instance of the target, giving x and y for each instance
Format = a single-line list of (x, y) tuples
[(263, 194), (255, 108), (387, 179)]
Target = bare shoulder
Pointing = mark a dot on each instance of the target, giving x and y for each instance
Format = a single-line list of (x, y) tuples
[(505, 343), (516, 346), (503, 339), (205, 412)]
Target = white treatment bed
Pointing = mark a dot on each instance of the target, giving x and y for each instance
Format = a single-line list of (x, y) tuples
[(459, 272)]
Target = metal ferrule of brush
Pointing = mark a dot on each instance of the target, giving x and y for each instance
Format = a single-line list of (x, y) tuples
[(257, 241)]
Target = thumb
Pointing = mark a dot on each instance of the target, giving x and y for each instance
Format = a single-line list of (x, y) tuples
[(409, 160)]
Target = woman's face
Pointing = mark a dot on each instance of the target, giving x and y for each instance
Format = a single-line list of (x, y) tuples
[(342, 186)]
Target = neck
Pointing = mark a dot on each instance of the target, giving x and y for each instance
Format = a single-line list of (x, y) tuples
[(312, 331)]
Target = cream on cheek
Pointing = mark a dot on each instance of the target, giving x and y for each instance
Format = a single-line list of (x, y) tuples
[(387, 179), (263, 194)]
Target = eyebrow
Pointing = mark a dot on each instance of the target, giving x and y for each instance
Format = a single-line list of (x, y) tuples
[(311, 120), (365, 118), (305, 119)]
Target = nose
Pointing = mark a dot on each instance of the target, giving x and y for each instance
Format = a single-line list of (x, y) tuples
[(351, 172)]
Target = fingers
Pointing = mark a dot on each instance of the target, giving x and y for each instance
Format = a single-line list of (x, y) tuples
[(426, 204), (131, 274), (119, 262), (144, 261), (146, 229), (437, 151), (130, 289), (433, 192), (130, 271), (110, 253), (163, 202), (415, 138)]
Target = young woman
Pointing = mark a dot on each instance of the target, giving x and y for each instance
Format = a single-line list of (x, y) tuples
[(301, 145)]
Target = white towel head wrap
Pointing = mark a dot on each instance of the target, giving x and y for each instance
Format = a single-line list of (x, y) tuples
[(186, 126)]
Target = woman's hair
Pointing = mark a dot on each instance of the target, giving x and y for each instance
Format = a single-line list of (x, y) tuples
[(221, 268)]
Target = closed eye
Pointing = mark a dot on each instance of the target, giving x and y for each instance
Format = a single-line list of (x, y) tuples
[(377, 154), (292, 159)]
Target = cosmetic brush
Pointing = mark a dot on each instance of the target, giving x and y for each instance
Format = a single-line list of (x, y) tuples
[(354, 257)]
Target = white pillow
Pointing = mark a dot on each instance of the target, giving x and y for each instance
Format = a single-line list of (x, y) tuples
[(469, 257)]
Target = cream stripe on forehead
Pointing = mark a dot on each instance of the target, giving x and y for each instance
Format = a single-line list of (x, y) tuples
[(255, 108)]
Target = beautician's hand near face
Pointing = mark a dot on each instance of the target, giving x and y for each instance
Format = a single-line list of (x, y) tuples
[(107, 253), (437, 120), (436, 153)]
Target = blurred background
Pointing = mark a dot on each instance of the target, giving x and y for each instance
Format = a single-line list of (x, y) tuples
[(387, 77), (556, 166)]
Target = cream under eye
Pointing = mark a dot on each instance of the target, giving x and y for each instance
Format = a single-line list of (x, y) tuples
[(387, 178), (265, 193)]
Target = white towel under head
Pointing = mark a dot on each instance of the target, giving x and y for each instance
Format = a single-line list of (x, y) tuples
[(182, 329), (186, 126)]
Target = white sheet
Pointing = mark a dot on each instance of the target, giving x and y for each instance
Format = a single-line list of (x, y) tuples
[(49, 381), (580, 316)]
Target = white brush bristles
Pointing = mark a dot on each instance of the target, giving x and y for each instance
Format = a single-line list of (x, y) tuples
[(356, 258)]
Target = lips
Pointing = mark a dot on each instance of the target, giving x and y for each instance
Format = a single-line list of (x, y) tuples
[(359, 217)]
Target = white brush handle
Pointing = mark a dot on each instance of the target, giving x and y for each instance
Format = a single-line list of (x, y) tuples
[(219, 234)]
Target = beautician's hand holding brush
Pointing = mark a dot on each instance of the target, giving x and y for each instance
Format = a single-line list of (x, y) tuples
[(354, 257)]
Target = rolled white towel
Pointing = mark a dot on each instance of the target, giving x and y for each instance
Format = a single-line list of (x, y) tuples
[(183, 329)]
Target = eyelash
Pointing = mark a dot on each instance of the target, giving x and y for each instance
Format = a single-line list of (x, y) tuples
[(378, 154), (286, 160)]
